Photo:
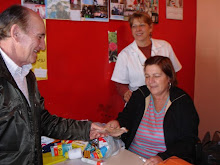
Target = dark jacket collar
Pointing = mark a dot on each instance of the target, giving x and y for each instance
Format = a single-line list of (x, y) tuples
[(6, 75), (175, 92), (4, 72)]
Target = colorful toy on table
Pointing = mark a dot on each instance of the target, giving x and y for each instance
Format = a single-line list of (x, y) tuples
[(60, 149), (79, 144), (90, 147), (95, 152), (102, 142), (65, 145), (99, 153), (96, 148), (86, 154), (92, 152)]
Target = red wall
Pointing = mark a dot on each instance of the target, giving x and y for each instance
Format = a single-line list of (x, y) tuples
[(79, 73)]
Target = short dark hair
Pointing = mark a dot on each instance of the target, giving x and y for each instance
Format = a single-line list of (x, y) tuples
[(15, 14), (140, 15), (165, 65)]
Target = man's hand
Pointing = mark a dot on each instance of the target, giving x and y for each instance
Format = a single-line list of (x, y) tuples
[(154, 160), (127, 96), (97, 131)]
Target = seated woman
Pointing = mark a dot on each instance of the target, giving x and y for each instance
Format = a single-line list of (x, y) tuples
[(128, 73), (161, 118)]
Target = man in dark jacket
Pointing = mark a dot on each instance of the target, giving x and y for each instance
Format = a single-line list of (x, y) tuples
[(23, 118)]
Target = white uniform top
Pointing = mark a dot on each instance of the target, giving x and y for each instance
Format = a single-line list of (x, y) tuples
[(129, 68)]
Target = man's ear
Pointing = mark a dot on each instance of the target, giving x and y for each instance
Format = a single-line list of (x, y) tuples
[(15, 32)]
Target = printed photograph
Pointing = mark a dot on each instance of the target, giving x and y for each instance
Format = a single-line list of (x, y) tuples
[(36, 5), (95, 10), (75, 4), (57, 9), (149, 6), (174, 9), (112, 46)]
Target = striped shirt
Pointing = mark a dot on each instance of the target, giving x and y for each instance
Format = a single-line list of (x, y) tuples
[(18, 73), (149, 138)]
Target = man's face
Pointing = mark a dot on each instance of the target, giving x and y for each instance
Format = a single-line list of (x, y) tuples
[(31, 41)]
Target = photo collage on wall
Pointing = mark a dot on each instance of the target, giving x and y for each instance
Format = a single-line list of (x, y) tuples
[(92, 10), (121, 9), (76, 10)]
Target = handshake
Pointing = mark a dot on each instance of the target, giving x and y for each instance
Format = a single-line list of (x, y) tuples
[(112, 128)]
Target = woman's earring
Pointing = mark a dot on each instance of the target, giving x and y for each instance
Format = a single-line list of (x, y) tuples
[(170, 85)]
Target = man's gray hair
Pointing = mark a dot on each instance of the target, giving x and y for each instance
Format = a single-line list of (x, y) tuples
[(15, 14)]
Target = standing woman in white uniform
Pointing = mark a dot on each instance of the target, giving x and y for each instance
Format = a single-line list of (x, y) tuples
[(128, 73)]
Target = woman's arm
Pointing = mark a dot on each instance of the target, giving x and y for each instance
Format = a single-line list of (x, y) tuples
[(123, 91)]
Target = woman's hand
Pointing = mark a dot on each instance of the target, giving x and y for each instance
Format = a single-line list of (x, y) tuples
[(113, 128), (113, 124), (127, 96), (154, 160)]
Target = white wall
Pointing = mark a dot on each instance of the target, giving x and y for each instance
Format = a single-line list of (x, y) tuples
[(207, 75)]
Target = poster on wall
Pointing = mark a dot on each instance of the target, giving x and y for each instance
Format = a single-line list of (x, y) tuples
[(75, 10), (149, 6), (94, 10), (57, 9), (40, 66), (174, 9), (112, 46), (117, 9), (36, 5), (122, 9)]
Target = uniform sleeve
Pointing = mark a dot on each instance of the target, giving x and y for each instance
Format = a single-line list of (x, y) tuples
[(120, 73), (121, 88)]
